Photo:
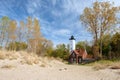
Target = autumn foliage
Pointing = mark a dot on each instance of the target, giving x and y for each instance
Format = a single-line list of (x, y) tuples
[(99, 20), (23, 35)]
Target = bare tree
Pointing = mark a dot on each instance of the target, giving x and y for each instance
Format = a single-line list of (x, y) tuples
[(21, 32)]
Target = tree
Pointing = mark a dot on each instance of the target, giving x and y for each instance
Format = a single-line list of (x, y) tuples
[(49, 47), (36, 29), (45, 48), (21, 31), (116, 42), (36, 34), (99, 19), (35, 38), (17, 46), (12, 31), (81, 44), (26, 35), (29, 26), (60, 52), (84, 45), (106, 47), (4, 24)]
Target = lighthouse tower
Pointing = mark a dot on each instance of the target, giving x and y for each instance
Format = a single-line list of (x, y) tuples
[(72, 43)]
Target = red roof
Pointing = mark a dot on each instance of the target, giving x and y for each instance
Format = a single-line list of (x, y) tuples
[(81, 52)]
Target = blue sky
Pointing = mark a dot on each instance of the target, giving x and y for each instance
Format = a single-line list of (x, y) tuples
[(59, 19)]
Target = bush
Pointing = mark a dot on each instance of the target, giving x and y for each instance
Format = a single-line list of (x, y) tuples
[(84, 45), (60, 52), (115, 44), (17, 46)]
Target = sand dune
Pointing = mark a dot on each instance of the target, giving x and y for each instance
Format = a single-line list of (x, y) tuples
[(52, 69)]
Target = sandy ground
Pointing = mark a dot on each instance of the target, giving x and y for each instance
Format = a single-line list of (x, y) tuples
[(53, 69)]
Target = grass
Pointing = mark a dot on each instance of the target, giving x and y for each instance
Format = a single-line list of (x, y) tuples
[(11, 55), (29, 58), (103, 64), (26, 58), (115, 67)]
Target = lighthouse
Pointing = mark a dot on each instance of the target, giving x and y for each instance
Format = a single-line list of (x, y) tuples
[(72, 43)]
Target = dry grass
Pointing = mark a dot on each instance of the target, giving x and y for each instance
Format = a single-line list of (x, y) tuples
[(11, 55), (8, 66), (42, 65), (99, 66), (103, 64), (27, 58), (115, 65), (30, 58)]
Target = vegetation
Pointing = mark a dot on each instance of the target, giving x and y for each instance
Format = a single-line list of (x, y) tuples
[(103, 64), (115, 46), (25, 36), (11, 55), (84, 45), (17, 46), (99, 19), (61, 51), (110, 47)]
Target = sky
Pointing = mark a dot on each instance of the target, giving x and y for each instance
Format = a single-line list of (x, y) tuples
[(59, 19)]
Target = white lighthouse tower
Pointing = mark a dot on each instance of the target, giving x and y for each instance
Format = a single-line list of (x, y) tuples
[(72, 43)]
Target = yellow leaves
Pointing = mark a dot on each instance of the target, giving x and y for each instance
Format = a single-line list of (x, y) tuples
[(36, 27), (13, 25), (12, 30), (28, 32), (5, 21), (105, 4), (96, 7), (29, 22), (86, 10), (101, 15), (99, 18), (22, 25)]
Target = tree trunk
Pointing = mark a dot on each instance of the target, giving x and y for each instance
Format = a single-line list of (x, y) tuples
[(101, 34)]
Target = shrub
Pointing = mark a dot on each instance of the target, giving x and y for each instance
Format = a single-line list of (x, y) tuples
[(17, 46), (60, 52)]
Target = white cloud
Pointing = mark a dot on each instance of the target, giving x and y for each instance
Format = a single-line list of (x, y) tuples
[(30, 10), (75, 6), (62, 32), (11, 8), (61, 21), (56, 13), (33, 6)]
